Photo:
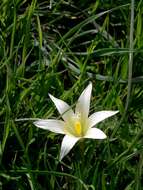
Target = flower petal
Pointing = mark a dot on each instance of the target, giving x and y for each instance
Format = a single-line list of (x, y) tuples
[(95, 133), (83, 103), (100, 116), (55, 126), (63, 108), (67, 144)]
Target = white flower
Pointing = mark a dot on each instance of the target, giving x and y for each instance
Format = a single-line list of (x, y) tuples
[(75, 125)]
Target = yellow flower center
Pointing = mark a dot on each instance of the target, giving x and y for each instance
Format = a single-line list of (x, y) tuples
[(77, 127)]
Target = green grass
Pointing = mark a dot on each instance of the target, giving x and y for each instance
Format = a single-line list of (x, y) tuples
[(57, 47)]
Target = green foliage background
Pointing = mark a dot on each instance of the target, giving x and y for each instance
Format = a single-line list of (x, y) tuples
[(57, 47)]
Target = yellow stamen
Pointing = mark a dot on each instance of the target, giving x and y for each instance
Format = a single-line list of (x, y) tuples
[(77, 127)]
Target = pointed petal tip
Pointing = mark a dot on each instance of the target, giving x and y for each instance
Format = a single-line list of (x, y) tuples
[(60, 158), (100, 116), (51, 96), (56, 126), (67, 144), (115, 112), (95, 133), (105, 136), (64, 109), (90, 85), (35, 122), (83, 103)]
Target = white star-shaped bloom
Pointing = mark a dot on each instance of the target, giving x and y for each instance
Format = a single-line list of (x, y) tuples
[(75, 125)]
